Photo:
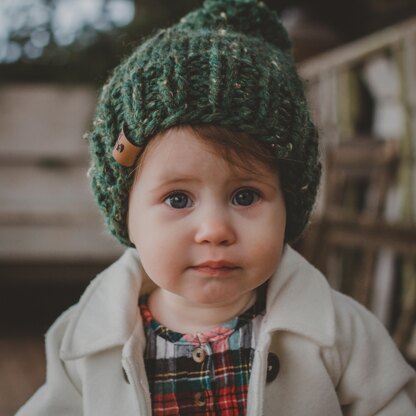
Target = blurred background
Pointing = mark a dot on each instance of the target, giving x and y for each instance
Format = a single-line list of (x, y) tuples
[(358, 61)]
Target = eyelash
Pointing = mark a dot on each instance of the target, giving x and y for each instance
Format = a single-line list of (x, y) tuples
[(256, 196)]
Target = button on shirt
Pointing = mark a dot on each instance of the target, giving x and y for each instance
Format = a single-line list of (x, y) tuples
[(203, 373)]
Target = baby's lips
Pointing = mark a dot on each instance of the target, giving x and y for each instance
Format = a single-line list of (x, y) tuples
[(216, 264)]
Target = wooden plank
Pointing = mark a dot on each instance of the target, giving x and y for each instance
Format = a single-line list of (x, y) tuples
[(47, 275), (369, 234), (50, 215), (35, 192), (77, 243), (44, 120), (354, 52)]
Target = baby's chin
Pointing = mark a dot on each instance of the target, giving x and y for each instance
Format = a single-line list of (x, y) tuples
[(219, 298)]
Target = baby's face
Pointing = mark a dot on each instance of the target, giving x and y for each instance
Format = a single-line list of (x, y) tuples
[(205, 230)]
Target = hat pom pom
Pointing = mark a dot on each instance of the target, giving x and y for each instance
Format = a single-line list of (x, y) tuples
[(245, 16)]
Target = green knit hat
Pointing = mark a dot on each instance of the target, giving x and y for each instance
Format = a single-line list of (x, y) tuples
[(228, 63)]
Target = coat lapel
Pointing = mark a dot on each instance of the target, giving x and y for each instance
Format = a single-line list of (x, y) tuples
[(107, 311), (299, 300)]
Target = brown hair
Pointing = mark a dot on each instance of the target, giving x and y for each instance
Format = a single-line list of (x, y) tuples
[(237, 148)]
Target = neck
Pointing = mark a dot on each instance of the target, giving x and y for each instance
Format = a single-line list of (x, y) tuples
[(180, 315)]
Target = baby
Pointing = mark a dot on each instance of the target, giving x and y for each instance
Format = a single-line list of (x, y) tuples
[(205, 164)]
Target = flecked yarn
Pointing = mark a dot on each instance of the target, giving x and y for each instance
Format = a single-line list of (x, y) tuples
[(227, 63)]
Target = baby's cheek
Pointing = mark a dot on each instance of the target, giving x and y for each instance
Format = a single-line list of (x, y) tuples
[(161, 254), (268, 252)]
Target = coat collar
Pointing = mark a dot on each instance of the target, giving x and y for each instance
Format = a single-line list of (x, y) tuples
[(298, 300), (107, 311)]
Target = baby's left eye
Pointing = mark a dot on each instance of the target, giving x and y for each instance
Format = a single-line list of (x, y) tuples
[(178, 200), (245, 197)]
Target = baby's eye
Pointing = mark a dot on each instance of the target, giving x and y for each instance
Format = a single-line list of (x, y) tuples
[(178, 200), (245, 197)]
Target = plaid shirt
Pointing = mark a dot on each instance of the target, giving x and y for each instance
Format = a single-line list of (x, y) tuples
[(201, 374)]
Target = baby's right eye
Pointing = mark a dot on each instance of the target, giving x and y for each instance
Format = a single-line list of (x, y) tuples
[(178, 200)]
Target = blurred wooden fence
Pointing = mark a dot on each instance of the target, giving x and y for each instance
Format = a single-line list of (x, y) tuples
[(368, 88), (47, 211)]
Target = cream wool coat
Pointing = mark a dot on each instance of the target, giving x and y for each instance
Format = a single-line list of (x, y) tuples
[(335, 357)]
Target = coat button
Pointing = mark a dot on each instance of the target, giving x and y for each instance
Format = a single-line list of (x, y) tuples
[(199, 399), (273, 367), (198, 355)]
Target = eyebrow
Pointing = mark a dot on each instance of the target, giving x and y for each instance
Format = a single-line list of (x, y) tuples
[(170, 179), (257, 178), (167, 180)]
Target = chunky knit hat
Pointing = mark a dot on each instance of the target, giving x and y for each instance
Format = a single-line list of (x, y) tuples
[(228, 63)]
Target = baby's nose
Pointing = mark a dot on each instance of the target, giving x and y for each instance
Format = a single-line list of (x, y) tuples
[(215, 229)]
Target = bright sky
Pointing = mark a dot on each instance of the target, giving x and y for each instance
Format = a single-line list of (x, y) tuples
[(68, 20)]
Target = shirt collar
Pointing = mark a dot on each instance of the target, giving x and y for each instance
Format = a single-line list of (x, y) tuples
[(298, 300)]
